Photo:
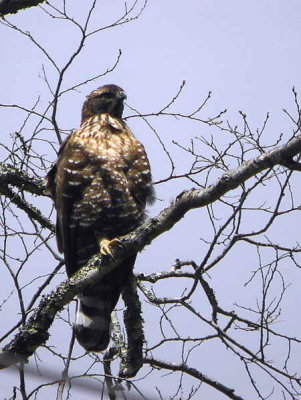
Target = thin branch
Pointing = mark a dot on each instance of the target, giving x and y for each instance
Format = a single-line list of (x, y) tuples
[(195, 373)]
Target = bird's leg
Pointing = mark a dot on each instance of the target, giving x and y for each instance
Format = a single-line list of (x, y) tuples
[(105, 246)]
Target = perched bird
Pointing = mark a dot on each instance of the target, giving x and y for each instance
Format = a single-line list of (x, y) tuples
[(100, 185)]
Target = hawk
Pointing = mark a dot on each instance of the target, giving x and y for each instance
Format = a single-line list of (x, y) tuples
[(100, 185)]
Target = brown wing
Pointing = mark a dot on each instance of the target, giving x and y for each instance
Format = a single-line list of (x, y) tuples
[(68, 179), (51, 188), (139, 176)]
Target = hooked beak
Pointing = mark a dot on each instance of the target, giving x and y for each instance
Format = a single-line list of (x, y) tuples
[(122, 96)]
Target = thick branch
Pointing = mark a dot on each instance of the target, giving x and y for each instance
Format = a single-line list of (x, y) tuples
[(133, 357), (32, 212), (196, 198), (35, 332), (13, 6), (9, 175)]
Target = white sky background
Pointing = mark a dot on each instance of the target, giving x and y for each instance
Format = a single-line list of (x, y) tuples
[(246, 52)]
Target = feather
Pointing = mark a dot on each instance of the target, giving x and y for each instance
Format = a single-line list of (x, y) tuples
[(100, 185)]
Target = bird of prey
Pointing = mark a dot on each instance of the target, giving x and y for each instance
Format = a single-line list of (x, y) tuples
[(100, 185)]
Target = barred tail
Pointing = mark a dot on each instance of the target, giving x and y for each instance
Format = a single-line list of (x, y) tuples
[(92, 323), (96, 303)]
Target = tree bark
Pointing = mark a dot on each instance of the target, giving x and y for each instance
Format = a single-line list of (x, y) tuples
[(13, 6)]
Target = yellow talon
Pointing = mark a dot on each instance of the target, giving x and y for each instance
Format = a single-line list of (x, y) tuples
[(105, 246)]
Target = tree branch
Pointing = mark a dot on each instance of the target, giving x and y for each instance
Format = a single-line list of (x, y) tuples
[(133, 358), (13, 6), (10, 175), (34, 333), (195, 373), (32, 212)]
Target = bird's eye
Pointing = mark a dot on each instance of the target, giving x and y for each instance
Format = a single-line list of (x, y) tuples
[(107, 95)]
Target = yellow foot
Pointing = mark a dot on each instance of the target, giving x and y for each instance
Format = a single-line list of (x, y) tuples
[(105, 246)]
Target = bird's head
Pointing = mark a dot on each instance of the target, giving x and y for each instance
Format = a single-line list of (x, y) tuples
[(106, 99)]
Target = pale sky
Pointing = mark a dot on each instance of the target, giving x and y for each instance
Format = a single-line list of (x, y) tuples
[(246, 52)]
